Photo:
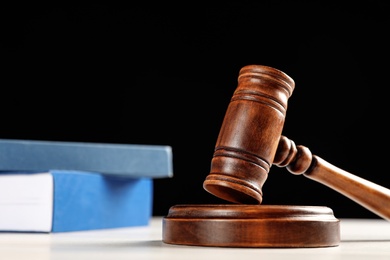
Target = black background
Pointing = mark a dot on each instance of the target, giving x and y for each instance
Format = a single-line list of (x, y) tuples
[(164, 73)]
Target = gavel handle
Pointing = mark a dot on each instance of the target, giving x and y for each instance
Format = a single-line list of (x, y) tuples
[(299, 160)]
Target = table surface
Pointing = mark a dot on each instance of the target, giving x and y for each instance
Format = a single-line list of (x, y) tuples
[(360, 239)]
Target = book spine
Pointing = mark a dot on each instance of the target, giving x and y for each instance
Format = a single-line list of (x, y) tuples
[(88, 201)]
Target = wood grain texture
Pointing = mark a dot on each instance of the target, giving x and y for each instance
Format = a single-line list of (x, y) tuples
[(299, 160), (235, 225), (250, 141), (249, 135)]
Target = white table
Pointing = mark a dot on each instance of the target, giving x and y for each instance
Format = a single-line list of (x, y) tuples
[(365, 239)]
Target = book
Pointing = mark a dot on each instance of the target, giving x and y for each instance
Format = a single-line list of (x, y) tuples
[(131, 160), (63, 201)]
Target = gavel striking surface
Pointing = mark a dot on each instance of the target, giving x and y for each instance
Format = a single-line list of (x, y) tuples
[(237, 225)]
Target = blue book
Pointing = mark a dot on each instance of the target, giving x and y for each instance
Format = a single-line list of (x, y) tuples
[(130, 160), (62, 201)]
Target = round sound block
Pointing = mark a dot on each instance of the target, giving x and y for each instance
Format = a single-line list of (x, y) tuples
[(239, 225)]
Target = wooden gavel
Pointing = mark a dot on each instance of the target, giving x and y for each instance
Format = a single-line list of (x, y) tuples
[(251, 141)]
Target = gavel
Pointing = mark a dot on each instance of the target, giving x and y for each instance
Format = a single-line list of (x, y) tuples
[(250, 141)]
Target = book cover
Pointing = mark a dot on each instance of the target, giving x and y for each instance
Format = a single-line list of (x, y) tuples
[(131, 160), (63, 201)]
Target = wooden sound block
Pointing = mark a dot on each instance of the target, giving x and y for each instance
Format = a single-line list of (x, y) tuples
[(238, 225)]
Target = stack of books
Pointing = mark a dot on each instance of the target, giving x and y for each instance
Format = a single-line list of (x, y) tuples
[(52, 186)]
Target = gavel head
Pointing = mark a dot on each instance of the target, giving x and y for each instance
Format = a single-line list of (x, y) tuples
[(249, 135)]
